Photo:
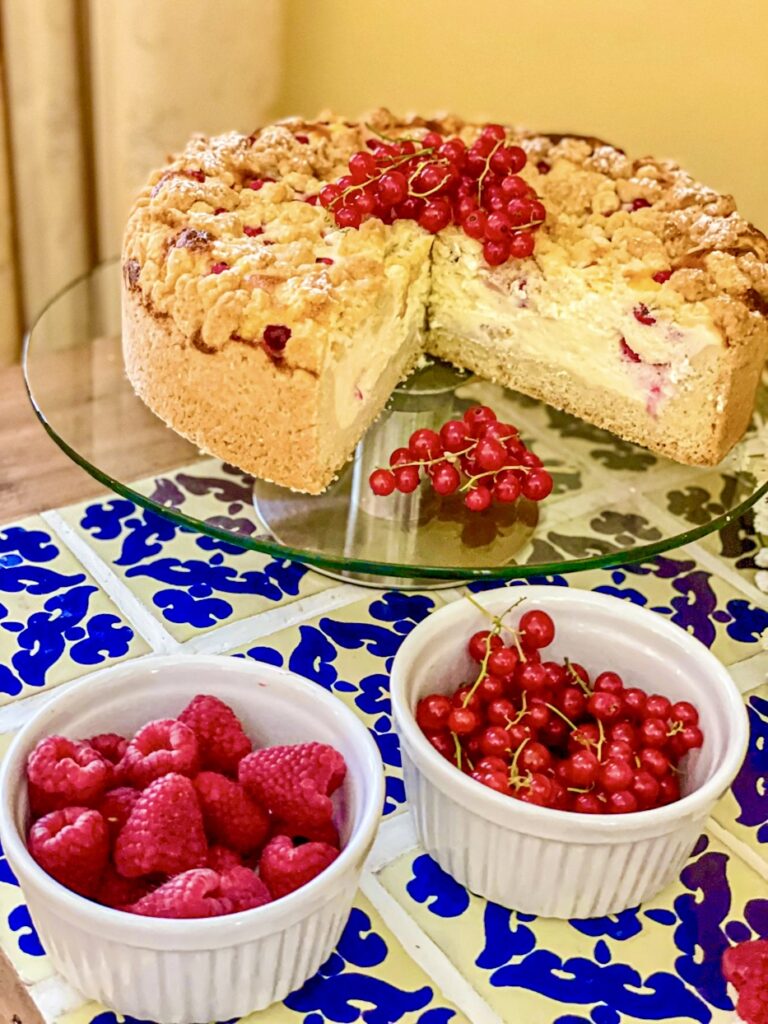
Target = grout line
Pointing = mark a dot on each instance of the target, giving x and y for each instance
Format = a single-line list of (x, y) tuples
[(396, 835), (54, 997), (428, 955), (274, 620), (751, 672), (738, 848), (142, 620)]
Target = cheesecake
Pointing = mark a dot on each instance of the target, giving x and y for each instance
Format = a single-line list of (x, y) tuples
[(269, 325)]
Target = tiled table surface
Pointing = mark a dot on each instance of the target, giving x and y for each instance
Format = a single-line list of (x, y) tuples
[(89, 586)]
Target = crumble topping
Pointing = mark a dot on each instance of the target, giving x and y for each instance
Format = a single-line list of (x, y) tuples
[(247, 202)]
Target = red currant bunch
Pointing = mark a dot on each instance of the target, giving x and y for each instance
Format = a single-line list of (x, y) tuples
[(478, 456), (545, 732), (439, 181)]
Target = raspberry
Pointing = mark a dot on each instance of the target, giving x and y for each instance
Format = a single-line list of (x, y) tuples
[(193, 893), (323, 833), (295, 782), (160, 747), (752, 1004), (221, 858), (219, 733), (118, 892), (62, 773), (285, 867), (116, 806), (72, 846), (204, 893), (744, 961), (164, 834), (244, 888), (111, 746), (231, 817)]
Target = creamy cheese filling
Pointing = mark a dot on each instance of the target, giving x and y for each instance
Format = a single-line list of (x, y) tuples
[(604, 333), (396, 327)]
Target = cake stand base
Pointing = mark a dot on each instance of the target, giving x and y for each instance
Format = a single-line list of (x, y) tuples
[(403, 529)]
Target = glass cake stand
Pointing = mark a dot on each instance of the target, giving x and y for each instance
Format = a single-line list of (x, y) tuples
[(612, 503)]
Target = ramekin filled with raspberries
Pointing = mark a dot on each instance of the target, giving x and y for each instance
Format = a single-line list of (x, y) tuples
[(562, 749), (189, 832)]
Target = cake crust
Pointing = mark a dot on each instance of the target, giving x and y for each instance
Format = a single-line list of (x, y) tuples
[(246, 206)]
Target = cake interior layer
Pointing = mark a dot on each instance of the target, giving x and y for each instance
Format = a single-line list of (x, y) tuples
[(663, 379)]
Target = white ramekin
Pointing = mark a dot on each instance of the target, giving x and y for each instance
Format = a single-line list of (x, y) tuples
[(554, 863), (176, 972)]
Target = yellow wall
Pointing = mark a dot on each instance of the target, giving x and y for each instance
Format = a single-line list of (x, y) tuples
[(681, 78)]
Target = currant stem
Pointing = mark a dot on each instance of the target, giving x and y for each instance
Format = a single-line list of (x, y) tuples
[(565, 718), (472, 480), (457, 751), (487, 167), (482, 672), (574, 675), (601, 741), (514, 779), (385, 170)]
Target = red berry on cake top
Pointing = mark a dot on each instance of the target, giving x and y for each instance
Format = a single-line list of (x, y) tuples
[(437, 182)]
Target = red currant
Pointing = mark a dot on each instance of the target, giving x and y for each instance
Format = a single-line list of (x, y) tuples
[(445, 479), (503, 661), (432, 712), (443, 744), (654, 761), (495, 742), (606, 707), (535, 757), (491, 688), (657, 706), (537, 628), (425, 444), (454, 436), (537, 485), (685, 712), (406, 479), (653, 732), (500, 711), (462, 721), (506, 487), (532, 677), (634, 702), (609, 682), (588, 803), (392, 188), (490, 454), (623, 802), (477, 417), (646, 789), (581, 768), (478, 498), (382, 482), (481, 642)]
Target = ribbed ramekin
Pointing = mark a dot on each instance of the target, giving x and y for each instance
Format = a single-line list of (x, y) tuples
[(535, 859), (180, 972)]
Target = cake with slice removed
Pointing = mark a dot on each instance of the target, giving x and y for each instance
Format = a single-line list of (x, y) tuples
[(267, 316)]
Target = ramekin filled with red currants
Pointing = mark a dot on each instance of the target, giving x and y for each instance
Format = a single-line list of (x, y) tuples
[(562, 749)]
